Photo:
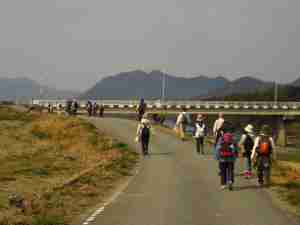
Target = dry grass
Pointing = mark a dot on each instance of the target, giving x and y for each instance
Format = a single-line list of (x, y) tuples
[(41, 152), (286, 181)]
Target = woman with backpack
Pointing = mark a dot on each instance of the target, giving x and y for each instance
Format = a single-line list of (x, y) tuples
[(246, 144), (226, 153), (200, 133), (262, 154), (143, 134)]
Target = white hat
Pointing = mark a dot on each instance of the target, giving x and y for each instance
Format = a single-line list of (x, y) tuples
[(249, 128)]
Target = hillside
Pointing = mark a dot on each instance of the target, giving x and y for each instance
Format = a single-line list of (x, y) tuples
[(137, 84), (285, 93), (242, 86), (25, 89)]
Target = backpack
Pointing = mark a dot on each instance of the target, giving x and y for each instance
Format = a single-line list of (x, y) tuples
[(145, 131), (248, 143), (184, 119), (227, 151), (264, 146), (227, 148)]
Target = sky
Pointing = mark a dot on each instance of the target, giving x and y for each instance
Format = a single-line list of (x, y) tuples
[(72, 44)]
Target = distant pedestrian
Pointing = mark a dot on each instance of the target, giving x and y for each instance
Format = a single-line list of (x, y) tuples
[(246, 145), (89, 108), (262, 154), (101, 110), (181, 124), (141, 109), (217, 127), (200, 133), (143, 134), (227, 152)]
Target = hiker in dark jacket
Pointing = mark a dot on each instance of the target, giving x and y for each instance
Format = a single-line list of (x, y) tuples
[(246, 145), (143, 134), (141, 109), (227, 152)]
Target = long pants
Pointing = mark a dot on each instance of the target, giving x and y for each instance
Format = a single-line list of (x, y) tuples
[(145, 145), (248, 162), (263, 169), (200, 144), (227, 172), (182, 130)]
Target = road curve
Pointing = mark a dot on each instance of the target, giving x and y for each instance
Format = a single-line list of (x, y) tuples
[(175, 186)]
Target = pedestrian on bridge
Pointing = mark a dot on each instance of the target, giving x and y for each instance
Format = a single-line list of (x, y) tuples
[(143, 134), (200, 133)]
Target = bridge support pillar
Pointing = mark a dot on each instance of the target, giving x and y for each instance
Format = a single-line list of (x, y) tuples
[(281, 134)]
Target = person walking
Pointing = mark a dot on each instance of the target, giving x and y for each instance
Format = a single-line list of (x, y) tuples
[(227, 152), (101, 110), (262, 154), (141, 109), (143, 134), (246, 144), (181, 123), (217, 127), (200, 133)]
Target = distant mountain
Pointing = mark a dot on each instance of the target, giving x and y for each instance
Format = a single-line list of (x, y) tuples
[(242, 86), (25, 89), (137, 84), (296, 83)]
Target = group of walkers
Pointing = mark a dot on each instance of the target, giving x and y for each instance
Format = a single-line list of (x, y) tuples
[(72, 107), (254, 150), (94, 109)]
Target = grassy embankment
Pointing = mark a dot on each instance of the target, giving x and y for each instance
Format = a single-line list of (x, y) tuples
[(286, 179), (59, 166)]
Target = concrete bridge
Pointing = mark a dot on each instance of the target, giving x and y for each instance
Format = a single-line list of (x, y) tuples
[(209, 107)]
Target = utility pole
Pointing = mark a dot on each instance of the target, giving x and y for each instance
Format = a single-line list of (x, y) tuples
[(163, 86), (275, 93)]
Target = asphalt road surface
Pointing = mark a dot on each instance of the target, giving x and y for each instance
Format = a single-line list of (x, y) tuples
[(176, 186)]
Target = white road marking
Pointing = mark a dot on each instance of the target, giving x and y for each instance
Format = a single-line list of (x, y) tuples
[(111, 200)]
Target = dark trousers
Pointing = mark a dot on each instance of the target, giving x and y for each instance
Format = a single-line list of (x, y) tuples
[(200, 144), (145, 145), (263, 169), (227, 172)]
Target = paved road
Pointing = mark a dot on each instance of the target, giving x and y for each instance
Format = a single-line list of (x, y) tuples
[(175, 186)]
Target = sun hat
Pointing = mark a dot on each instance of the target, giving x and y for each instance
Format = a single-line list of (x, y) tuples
[(249, 129)]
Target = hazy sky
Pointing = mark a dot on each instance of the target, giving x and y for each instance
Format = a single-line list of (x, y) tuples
[(73, 43)]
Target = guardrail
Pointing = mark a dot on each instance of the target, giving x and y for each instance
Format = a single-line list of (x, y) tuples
[(125, 104)]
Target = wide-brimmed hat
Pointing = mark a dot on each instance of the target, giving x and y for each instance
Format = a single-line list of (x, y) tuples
[(199, 117), (265, 130), (249, 129)]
